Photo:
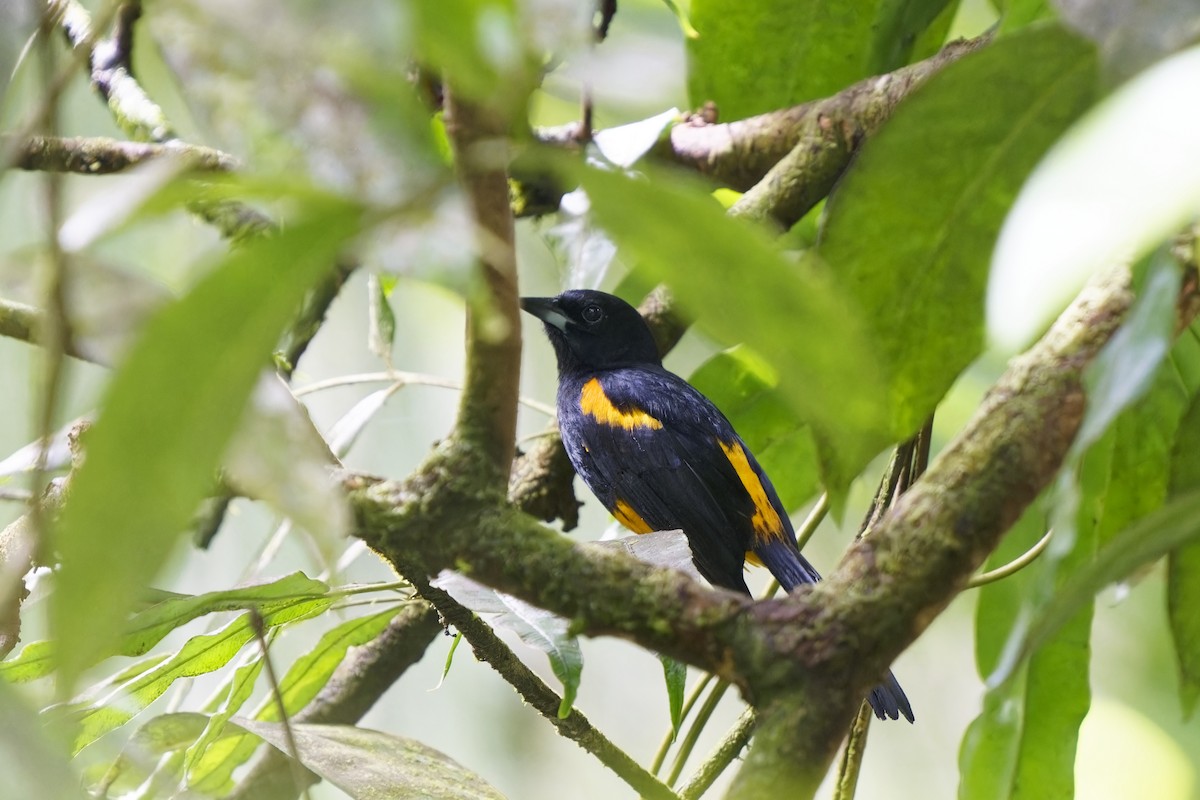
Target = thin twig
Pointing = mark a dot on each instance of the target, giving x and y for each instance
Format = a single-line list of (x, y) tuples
[(734, 742), (1012, 567), (298, 771)]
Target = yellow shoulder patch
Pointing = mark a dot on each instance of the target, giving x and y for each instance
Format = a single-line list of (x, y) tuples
[(630, 518), (595, 403), (766, 519)]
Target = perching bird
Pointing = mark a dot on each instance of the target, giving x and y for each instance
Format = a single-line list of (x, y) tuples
[(660, 456)]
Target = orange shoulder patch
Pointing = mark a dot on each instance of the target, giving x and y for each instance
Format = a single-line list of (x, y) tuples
[(595, 403), (766, 519), (630, 518)]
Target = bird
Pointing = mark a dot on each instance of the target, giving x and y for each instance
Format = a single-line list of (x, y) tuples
[(659, 455)]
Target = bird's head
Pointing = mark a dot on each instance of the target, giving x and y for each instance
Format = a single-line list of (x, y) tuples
[(594, 330)]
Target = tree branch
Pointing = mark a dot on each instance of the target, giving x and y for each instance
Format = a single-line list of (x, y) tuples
[(98, 155), (740, 154), (487, 415)]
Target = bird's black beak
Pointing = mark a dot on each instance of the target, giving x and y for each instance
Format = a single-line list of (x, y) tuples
[(547, 310)]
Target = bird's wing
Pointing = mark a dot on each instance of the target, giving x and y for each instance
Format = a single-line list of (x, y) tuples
[(663, 457)]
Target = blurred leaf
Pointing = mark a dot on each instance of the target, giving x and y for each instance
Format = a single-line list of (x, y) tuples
[(1174, 525), (1016, 14), (1099, 197), (746, 390), (624, 145), (898, 28), (140, 757), (147, 628), (584, 250), (1183, 563), (1123, 370), (477, 44), (1025, 739), (199, 655), (166, 419), (33, 765), (278, 456), (675, 674), (537, 628), (1132, 36), (212, 772), (104, 212), (909, 230), (749, 58), (368, 764), (382, 321), (678, 233), (346, 430), (25, 459)]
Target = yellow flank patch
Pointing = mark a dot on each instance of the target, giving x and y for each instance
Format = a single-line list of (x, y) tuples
[(766, 519), (595, 403), (630, 518)]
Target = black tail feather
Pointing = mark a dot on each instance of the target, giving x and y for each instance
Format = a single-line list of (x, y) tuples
[(888, 700)]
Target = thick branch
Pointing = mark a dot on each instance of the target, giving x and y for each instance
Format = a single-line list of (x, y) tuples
[(97, 155), (487, 415), (892, 584)]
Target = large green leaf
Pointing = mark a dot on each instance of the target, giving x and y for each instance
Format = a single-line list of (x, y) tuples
[(32, 763), (1024, 739), (164, 424), (1183, 564), (368, 764), (746, 390), (909, 231), (754, 57), (736, 284)]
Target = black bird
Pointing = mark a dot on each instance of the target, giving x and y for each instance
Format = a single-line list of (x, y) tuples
[(660, 456)]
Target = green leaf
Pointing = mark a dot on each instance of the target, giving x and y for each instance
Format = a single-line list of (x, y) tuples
[(198, 656), (778, 307), (165, 421), (1174, 525), (1183, 563), (212, 771), (909, 231), (147, 628), (1025, 738), (1016, 14), (278, 457), (749, 58), (745, 388), (140, 757), (368, 764), (675, 674), (231, 698), (382, 321), (898, 28), (537, 628)]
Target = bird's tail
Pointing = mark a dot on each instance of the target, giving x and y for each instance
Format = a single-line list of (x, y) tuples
[(792, 569), (888, 700), (786, 563)]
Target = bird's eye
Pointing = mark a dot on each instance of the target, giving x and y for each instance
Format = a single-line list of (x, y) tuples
[(592, 314)]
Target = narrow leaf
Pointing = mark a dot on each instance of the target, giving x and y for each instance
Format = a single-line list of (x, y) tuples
[(165, 421), (381, 334)]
